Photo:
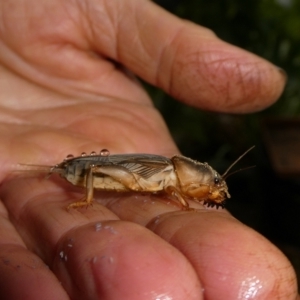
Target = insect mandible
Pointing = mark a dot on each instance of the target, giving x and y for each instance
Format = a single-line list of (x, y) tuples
[(180, 177)]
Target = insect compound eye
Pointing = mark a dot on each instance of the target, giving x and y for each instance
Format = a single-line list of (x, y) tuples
[(216, 180)]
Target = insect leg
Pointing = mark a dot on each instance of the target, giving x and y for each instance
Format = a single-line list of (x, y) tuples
[(88, 199), (173, 191)]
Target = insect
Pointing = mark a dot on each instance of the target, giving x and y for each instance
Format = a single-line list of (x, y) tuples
[(180, 177)]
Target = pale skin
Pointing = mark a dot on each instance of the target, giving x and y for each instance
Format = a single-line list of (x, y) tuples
[(61, 93)]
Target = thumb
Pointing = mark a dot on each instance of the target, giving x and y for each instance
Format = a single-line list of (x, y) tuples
[(188, 61)]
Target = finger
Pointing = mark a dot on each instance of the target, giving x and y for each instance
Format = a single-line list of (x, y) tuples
[(92, 252), (23, 274), (49, 50), (186, 60), (231, 260)]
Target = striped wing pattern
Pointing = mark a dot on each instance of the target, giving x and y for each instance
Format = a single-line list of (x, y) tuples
[(144, 165)]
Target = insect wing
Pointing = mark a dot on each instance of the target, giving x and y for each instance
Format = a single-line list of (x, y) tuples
[(144, 165)]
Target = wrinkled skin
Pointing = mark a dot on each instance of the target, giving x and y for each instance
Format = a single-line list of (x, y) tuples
[(62, 92)]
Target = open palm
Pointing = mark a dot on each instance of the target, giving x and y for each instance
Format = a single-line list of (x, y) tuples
[(67, 86)]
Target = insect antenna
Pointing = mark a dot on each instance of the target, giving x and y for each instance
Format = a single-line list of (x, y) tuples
[(237, 171), (225, 175)]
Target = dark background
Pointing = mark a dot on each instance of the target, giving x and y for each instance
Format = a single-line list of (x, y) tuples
[(261, 197)]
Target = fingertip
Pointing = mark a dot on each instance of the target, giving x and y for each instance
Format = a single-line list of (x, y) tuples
[(121, 260), (232, 260), (25, 276), (213, 75)]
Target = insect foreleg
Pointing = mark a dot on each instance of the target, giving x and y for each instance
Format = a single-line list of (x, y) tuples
[(173, 191)]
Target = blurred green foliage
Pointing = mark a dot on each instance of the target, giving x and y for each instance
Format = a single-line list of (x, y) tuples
[(270, 29)]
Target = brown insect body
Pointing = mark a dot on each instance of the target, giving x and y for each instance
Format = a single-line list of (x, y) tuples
[(180, 177)]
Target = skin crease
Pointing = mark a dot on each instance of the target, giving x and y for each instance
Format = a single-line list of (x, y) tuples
[(66, 87)]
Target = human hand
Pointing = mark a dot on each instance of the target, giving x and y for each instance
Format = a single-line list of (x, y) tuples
[(63, 91)]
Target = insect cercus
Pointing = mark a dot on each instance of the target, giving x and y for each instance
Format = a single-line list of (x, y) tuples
[(180, 177)]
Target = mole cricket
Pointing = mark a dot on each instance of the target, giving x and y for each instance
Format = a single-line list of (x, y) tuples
[(179, 177)]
